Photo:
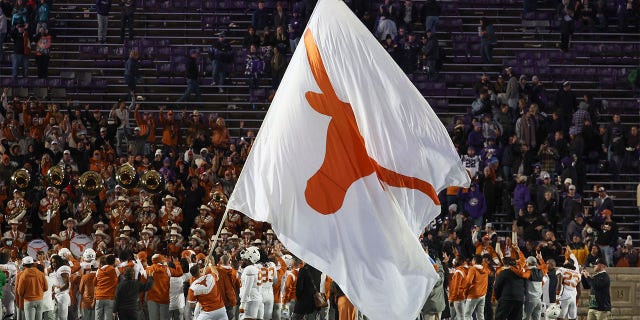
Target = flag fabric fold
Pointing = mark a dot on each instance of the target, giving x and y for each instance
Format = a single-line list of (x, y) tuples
[(347, 166)]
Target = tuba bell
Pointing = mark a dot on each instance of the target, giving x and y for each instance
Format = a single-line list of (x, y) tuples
[(127, 177), (90, 183), (219, 197), (152, 181), (57, 177), (21, 179)]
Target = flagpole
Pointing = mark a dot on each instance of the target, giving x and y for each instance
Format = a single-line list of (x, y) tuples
[(215, 240)]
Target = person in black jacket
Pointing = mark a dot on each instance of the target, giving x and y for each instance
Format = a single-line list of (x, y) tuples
[(221, 55), (599, 296), (192, 77), (307, 285), (128, 293), (509, 290), (553, 281)]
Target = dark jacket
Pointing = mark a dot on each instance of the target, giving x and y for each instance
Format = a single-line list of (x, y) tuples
[(128, 292), (308, 281), (131, 68), (599, 296), (128, 7), (509, 287), (103, 7), (553, 284), (192, 68)]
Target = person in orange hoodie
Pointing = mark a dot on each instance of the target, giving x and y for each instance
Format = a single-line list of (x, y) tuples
[(31, 289), (147, 123), (289, 297), (205, 291), (170, 129), (281, 270), (458, 288), (158, 296), (477, 279), (86, 290), (105, 287), (228, 285)]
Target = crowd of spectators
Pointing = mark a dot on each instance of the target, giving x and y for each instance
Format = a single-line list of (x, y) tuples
[(528, 154)]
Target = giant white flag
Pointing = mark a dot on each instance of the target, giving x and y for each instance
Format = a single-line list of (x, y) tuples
[(347, 166)]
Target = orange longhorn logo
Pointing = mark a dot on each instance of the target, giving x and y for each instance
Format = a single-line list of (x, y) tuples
[(346, 159)]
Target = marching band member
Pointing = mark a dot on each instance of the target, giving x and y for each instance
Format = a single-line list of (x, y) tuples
[(146, 214), (100, 243), (169, 214), (55, 242), (16, 209), (49, 211), (69, 233), (247, 236), (120, 216), (146, 244), (84, 214), (176, 243), (14, 239), (156, 239), (205, 220), (122, 245), (195, 243), (127, 231), (102, 227)]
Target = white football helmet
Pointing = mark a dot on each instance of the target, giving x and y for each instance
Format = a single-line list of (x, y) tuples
[(288, 259), (553, 311), (251, 253), (89, 255), (64, 253)]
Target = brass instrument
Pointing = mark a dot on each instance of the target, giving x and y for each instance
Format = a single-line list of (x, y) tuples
[(90, 183), (152, 181), (219, 197), (127, 177), (57, 177), (21, 179), (218, 201), (19, 211)]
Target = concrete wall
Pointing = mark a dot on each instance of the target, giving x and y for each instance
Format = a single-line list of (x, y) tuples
[(625, 294)]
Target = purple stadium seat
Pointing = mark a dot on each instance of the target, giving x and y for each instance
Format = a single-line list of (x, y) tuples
[(179, 51), (239, 4), (453, 92), (163, 51), (467, 92), (209, 22), (164, 68), (179, 4), (179, 59), (54, 82)]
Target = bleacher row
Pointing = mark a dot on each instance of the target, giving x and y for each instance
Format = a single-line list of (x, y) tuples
[(90, 72)]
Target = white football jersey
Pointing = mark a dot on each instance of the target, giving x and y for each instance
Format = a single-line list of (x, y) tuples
[(570, 281)]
